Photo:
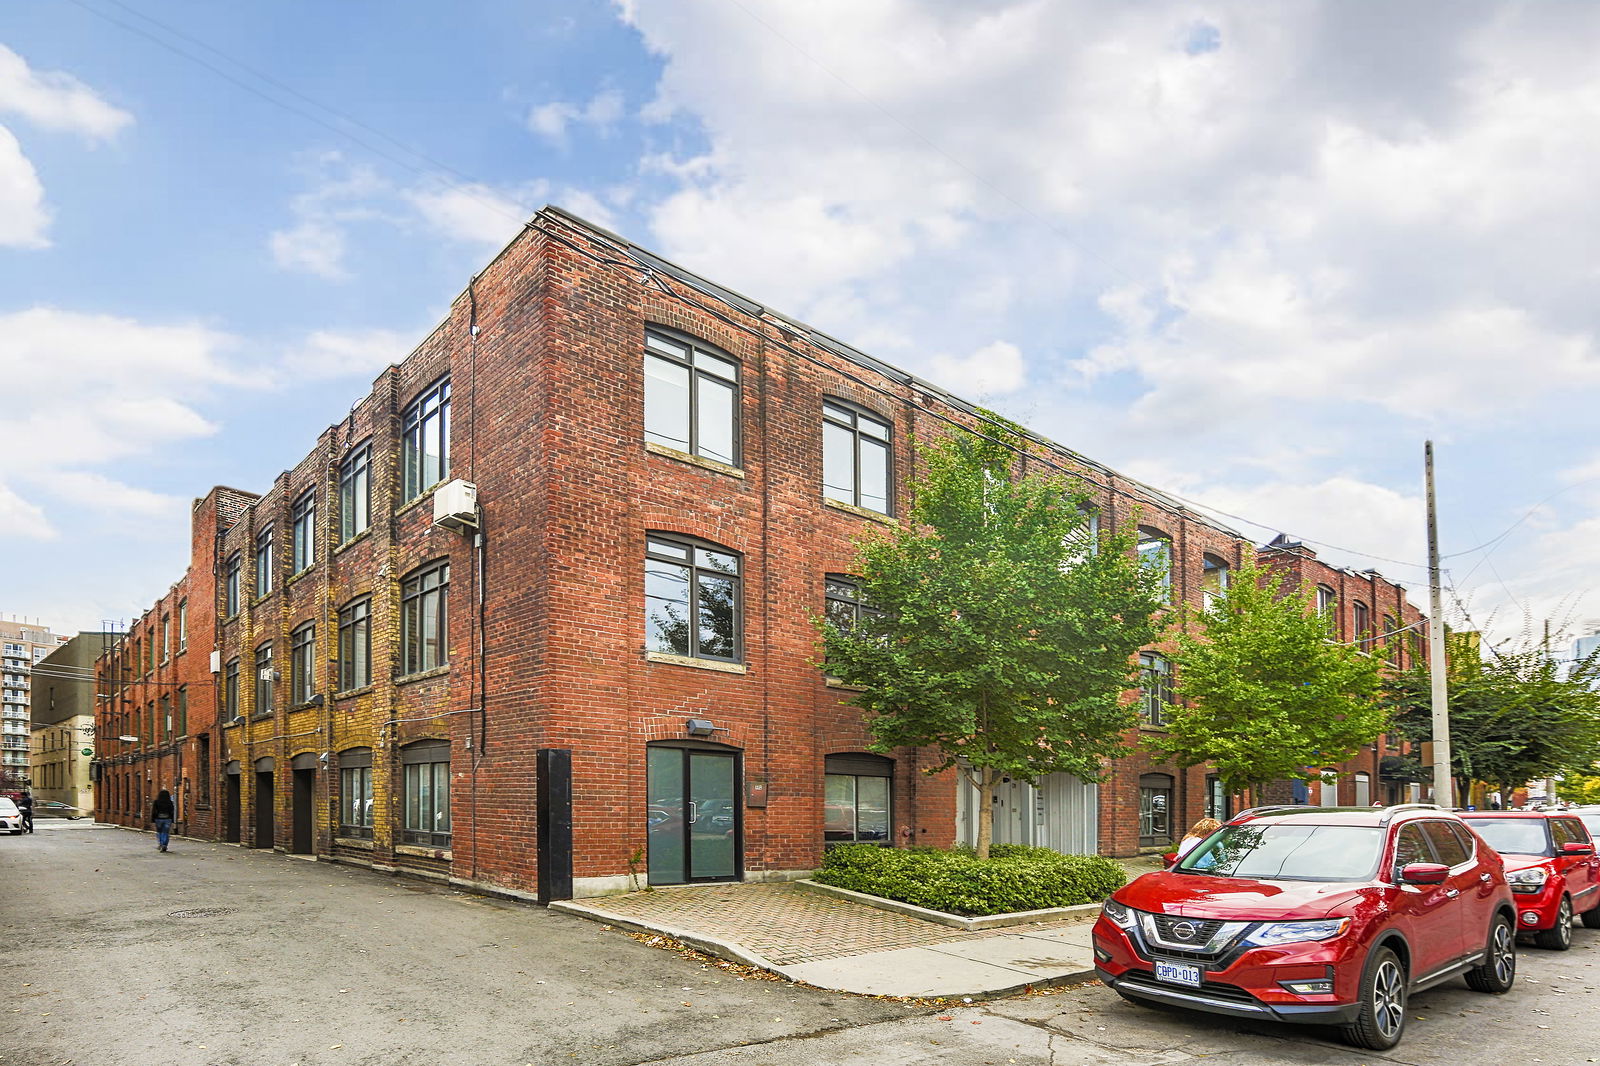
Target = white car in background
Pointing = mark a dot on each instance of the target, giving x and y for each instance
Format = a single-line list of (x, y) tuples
[(10, 816)]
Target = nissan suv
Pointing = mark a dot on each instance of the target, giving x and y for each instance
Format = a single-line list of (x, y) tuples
[(1551, 867), (1327, 915)]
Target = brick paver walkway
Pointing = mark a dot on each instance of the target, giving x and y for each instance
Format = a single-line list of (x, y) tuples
[(784, 923)]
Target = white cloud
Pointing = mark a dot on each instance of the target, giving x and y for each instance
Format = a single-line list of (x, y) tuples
[(476, 213), (328, 354), (993, 370), (56, 101), (24, 218), (554, 119), (100, 493), (21, 519), (313, 247)]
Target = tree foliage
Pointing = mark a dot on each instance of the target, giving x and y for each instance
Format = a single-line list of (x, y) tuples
[(1514, 717), (1006, 634), (1264, 692)]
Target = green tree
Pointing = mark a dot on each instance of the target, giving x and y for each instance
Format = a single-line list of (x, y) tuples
[(1513, 716), (1263, 689), (1004, 633)]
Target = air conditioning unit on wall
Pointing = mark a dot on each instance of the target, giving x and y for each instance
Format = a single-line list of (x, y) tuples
[(455, 506)]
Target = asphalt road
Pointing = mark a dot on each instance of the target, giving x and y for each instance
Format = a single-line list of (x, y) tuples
[(117, 955)]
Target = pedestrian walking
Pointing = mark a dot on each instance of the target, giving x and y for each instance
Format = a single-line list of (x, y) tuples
[(25, 805), (162, 812), (1197, 832)]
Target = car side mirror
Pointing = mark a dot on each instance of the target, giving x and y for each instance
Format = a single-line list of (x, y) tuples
[(1423, 873), (1170, 859), (1577, 847)]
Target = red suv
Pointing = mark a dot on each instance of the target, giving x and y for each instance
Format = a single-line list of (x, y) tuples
[(1326, 915), (1552, 869)]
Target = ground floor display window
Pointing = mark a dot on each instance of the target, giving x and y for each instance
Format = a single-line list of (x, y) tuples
[(693, 814), (425, 784), (856, 798)]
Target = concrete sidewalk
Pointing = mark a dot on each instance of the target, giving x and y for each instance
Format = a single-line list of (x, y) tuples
[(846, 946)]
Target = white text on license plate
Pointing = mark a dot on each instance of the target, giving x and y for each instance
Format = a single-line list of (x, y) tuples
[(1178, 973)]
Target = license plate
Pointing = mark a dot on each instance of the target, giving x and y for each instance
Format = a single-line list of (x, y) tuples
[(1178, 973)]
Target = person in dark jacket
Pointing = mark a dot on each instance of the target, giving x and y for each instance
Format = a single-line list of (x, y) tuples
[(162, 812), (25, 805)]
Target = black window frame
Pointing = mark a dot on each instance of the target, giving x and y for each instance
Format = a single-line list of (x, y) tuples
[(858, 766), (697, 370), (230, 690), (303, 526), (355, 493), (427, 416), (848, 416), (265, 687), (231, 578), (415, 591), (355, 635), (691, 547), (181, 710), (1155, 687), (302, 663), (845, 594), (264, 560), (425, 753), (355, 769), (1149, 535), (183, 625), (1214, 570), (1361, 620)]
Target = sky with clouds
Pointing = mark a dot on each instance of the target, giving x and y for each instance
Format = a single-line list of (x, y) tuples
[(1253, 254)]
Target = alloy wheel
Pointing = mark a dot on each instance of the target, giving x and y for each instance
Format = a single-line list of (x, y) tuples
[(1389, 997)]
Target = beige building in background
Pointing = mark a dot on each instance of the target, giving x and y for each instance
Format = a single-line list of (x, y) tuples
[(62, 718), (22, 644)]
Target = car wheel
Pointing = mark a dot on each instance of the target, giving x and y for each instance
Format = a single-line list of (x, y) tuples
[(1499, 969), (1591, 917), (1382, 1017), (1559, 936)]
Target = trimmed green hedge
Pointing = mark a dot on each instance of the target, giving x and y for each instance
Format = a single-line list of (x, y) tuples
[(1014, 878)]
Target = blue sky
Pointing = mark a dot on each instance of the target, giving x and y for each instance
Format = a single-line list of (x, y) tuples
[(1254, 255)]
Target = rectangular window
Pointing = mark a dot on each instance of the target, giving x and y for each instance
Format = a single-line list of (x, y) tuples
[(230, 691), (230, 587), (302, 664), (424, 619), (691, 398), (855, 457), (425, 441), (305, 531), (1361, 618), (264, 562), (855, 809), (355, 645), (691, 595), (182, 724), (355, 793), (166, 637), (1155, 554), (204, 769), (183, 625), (166, 717), (425, 792), (265, 676), (355, 493), (1155, 676)]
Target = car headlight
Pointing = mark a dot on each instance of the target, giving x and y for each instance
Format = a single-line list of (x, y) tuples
[(1529, 880), (1275, 933), (1119, 913)]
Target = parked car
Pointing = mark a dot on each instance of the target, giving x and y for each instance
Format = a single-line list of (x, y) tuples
[(10, 816), (1327, 915), (1551, 866), (55, 809)]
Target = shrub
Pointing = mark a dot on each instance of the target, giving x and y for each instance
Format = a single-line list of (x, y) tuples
[(1015, 877)]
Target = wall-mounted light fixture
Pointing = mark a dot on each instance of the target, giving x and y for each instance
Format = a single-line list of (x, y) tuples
[(699, 727)]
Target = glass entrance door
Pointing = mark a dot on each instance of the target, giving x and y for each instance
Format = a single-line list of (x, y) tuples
[(693, 815)]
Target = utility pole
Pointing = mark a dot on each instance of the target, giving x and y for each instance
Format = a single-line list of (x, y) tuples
[(1443, 782)]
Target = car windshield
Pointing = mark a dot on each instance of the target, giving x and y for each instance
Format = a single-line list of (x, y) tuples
[(1269, 852), (1514, 836)]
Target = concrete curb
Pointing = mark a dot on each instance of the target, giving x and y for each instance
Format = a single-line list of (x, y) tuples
[(955, 921), (722, 949)]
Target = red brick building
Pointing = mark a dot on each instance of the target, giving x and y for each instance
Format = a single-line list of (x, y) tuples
[(600, 669)]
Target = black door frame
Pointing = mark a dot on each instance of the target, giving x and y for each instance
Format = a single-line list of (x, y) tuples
[(737, 758)]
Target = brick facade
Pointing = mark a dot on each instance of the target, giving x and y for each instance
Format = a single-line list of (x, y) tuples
[(546, 629)]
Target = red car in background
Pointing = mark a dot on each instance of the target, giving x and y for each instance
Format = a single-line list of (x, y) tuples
[(1329, 915), (1551, 867)]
